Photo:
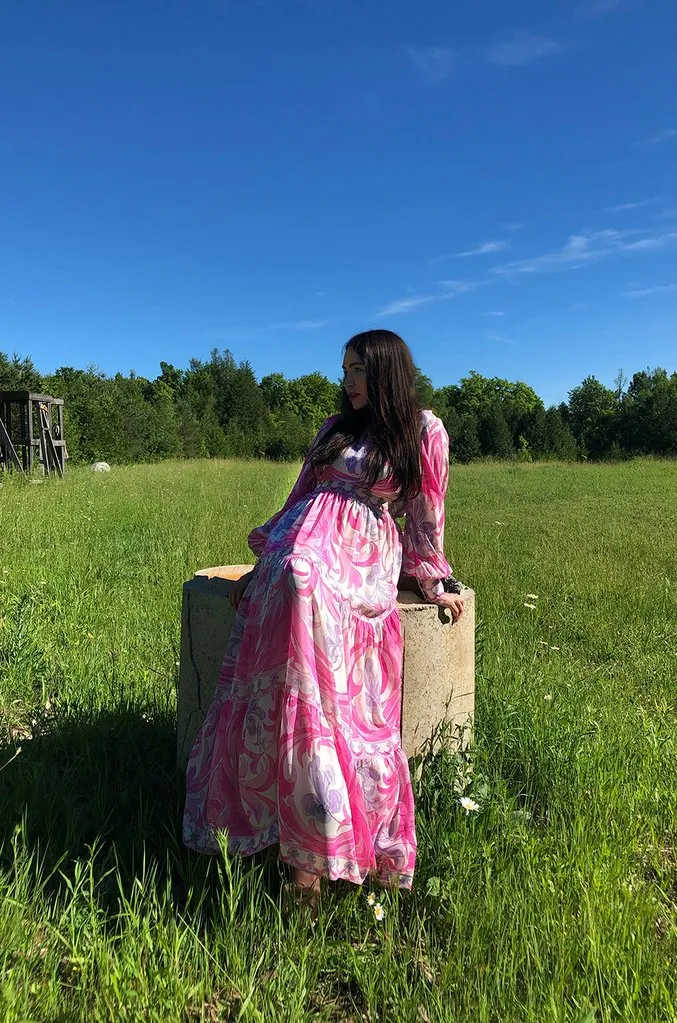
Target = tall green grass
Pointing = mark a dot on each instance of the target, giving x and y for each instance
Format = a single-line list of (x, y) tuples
[(556, 901)]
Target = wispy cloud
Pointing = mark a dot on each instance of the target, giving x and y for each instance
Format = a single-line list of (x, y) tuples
[(623, 206), (523, 48), (584, 249), (458, 287), (594, 8), (449, 289), (298, 325), (502, 338), (494, 312), (434, 62), (485, 248), (512, 225), (657, 289), (660, 136)]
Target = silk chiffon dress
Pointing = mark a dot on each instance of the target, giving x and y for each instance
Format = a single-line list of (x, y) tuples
[(301, 744)]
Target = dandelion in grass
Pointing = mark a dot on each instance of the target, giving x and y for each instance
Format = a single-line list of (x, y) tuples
[(379, 911), (469, 805), (371, 899), (532, 606), (532, 596)]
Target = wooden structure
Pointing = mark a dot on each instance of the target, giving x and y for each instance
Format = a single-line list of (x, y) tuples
[(31, 425)]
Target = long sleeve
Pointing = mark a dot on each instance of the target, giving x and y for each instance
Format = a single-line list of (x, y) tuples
[(423, 540), (304, 485)]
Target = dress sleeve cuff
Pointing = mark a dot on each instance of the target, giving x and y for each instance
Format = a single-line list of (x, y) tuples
[(432, 589)]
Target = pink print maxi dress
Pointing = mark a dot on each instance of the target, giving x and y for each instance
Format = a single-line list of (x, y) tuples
[(301, 745)]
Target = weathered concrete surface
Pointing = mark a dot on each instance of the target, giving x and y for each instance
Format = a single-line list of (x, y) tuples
[(439, 659), (439, 669)]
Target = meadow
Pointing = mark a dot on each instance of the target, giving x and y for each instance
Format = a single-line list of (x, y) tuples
[(555, 901)]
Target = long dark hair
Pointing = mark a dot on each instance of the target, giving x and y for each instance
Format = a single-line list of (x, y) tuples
[(391, 418)]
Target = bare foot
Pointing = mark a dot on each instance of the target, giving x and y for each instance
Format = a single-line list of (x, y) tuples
[(304, 892), (302, 879)]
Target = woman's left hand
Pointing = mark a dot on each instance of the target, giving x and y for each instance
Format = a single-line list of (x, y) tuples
[(452, 602)]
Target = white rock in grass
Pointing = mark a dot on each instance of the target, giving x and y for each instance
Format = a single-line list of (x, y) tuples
[(100, 467)]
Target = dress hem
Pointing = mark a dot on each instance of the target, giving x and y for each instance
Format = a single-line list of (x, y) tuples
[(335, 868)]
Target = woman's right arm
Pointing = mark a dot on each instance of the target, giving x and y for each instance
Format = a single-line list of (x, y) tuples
[(305, 484)]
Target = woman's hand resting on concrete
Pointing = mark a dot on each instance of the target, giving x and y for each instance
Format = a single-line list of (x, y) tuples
[(452, 602), (238, 588)]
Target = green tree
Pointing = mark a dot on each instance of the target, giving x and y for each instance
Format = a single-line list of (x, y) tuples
[(561, 441), (649, 413), (165, 440), (17, 374), (276, 392), (466, 444), (594, 411), (494, 433), (534, 426), (425, 389)]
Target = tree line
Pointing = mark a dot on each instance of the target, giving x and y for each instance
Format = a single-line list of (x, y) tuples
[(218, 409)]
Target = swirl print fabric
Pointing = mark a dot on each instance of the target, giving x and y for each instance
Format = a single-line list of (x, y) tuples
[(301, 744)]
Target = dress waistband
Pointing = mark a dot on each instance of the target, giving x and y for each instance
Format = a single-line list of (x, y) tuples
[(356, 493)]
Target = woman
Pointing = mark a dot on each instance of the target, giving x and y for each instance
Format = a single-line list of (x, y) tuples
[(301, 745)]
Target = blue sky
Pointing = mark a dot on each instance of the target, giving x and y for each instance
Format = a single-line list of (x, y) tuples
[(494, 181)]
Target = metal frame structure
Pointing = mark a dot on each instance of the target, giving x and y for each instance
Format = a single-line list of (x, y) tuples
[(31, 427)]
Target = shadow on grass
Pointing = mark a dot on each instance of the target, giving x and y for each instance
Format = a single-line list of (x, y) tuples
[(106, 780), (101, 787)]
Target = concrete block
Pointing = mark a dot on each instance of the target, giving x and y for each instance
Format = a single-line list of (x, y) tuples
[(438, 668)]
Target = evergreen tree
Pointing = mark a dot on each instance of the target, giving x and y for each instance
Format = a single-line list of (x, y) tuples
[(534, 427), (494, 433), (466, 446), (218, 409), (17, 374), (560, 440)]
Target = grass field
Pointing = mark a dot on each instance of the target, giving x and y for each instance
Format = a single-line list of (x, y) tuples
[(557, 901)]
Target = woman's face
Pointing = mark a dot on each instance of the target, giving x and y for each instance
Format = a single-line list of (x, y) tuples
[(355, 379)]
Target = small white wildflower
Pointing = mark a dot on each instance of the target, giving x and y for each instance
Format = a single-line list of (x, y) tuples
[(468, 804), (543, 642), (532, 596), (379, 911), (532, 606), (548, 697), (554, 648), (371, 899), (497, 523)]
